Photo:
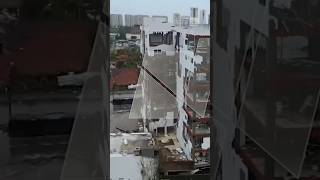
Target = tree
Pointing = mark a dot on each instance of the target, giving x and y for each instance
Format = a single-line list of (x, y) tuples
[(113, 55)]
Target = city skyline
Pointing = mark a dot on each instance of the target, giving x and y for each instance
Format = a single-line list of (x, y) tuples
[(147, 7)]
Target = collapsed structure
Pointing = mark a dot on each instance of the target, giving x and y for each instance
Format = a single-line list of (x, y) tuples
[(173, 94)]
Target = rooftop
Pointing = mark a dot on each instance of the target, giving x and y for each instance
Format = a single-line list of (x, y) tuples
[(200, 30), (126, 144), (124, 77), (155, 25)]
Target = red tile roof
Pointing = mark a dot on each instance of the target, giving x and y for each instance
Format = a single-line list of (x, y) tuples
[(122, 57), (124, 77), (54, 48)]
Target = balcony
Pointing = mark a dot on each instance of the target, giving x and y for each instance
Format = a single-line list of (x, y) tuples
[(200, 152), (190, 113), (203, 50), (198, 130), (201, 129), (203, 68), (202, 97), (197, 94), (203, 120), (193, 118), (196, 86), (201, 157)]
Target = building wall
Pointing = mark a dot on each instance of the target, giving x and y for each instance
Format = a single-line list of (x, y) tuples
[(185, 21), (203, 17), (155, 25), (231, 14), (185, 65), (194, 15), (177, 19)]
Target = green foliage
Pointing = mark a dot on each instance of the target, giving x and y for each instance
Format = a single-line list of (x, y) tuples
[(113, 55), (133, 57), (122, 30)]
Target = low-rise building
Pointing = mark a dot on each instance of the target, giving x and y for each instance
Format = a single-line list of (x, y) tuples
[(132, 156), (131, 36), (124, 77)]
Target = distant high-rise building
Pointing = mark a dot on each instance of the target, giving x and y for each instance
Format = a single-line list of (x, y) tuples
[(163, 18), (194, 16), (143, 17), (116, 20), (128, 19), (203, 17), (176, 19), (185, 21), (132, 20), (138, 19)]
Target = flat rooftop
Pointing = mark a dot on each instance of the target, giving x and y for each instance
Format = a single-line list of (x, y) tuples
[(124, 143)]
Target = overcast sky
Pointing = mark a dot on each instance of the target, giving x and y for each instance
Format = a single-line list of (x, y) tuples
[(157, 7)]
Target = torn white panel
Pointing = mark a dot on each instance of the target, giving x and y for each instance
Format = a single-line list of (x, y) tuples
[(170, 117), (206, 143), (134, 86)]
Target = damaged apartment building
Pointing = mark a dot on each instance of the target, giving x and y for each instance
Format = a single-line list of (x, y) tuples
[(173, 94), (265, 104)]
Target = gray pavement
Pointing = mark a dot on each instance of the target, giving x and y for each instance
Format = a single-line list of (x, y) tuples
[(120, 117)]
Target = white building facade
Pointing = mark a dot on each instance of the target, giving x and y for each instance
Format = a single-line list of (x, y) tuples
[(203, 17), (185, 21), (194, 15), (177, 19), (153, 31), (193, 131)]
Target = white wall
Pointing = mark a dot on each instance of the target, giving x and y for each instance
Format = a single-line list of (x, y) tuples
[(129, 36)]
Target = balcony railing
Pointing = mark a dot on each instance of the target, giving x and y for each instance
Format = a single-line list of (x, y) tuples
[(201, 157), (201, 129), (197, 129), (193, 118)]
